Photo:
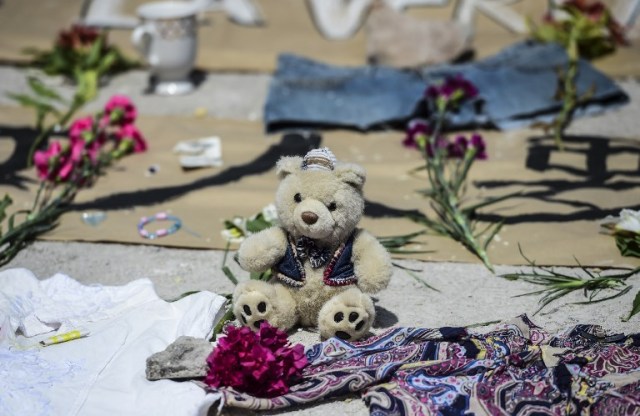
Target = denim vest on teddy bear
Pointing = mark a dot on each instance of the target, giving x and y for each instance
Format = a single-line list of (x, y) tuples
[(339, 271)]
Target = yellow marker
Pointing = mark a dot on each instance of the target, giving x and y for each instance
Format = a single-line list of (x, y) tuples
[(68, 336)]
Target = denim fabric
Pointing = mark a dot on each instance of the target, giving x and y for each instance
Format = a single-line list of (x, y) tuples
[(517, 87), (288, 266), (342, 273)]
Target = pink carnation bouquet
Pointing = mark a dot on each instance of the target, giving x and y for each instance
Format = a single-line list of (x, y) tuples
[(261, 363), (68, 165), (94, 141)]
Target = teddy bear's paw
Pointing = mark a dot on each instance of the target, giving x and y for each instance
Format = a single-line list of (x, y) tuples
[(345, 318), (351, 323), (252, 309)]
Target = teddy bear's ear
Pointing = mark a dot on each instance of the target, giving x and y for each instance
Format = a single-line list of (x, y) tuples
[(352, 174), (287, 165)]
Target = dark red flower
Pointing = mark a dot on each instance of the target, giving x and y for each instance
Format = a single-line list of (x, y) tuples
[(262, 364), (455, 88), (477, 142), (597, 12), (594, 10), (77, 37), (457, 148), (418, 132)]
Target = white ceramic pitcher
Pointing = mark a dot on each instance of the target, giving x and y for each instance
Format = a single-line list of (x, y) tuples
[(167, 38)]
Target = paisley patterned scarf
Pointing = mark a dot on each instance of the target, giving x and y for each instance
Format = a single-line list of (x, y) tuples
[(517, 368)]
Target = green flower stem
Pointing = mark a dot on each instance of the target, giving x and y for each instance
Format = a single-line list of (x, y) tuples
[(37, 198), (445, 194), (77, 102), (468, 239), (45, 212), (569, 90), (466, 165), (35, 224), (228, 316)]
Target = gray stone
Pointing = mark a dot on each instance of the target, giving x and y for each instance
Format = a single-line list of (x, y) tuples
[(402, 41), (186, 357)]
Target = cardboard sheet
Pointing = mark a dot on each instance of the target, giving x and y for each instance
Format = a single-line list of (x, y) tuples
[(556, 218), (226, 46)]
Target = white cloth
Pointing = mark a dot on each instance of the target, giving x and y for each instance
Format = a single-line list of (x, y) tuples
[(103, 373)]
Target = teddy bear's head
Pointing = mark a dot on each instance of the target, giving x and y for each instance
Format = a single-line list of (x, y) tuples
[(318, 197)]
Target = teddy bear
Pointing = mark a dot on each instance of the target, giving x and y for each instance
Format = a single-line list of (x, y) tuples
[(323, 267)]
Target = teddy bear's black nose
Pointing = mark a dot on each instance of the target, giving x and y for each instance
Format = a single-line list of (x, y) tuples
[(309, 217)]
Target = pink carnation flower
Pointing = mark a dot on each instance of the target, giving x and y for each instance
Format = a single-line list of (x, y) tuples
[(261, 364), (44, 159), (80, 149), (130, 133), (81, 129), (120, 110), (58, 163), (67, 167)]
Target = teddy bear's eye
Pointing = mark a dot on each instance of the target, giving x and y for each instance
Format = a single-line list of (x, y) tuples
[(297, 198), (332, 206)]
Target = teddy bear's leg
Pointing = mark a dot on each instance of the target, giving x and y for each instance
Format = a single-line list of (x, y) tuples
[(348, 315), (256, 301)]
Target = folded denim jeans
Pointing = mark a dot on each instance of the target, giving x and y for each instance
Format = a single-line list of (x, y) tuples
[(517, 87)]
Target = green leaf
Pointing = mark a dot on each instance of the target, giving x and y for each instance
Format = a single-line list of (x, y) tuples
[(43, 91), (93, 58), (420, 280), (12, 218), (510, 276), (28, 101), (264, 276), (493, 233), (230, 275), (397, 241), (557, 285), (620, 293), (184, 295), (257, 224), (4, 204), (228, 316), (629, 245), (107, 62), (635, 308), (489, 201)]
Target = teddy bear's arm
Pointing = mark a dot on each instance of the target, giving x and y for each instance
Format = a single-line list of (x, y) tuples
[(372, 263), (263, 250)]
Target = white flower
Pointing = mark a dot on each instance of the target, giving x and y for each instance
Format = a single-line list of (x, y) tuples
[(240, 222), (236, 232), (236, 229), (629, 221), (270, 213), (233, 236)]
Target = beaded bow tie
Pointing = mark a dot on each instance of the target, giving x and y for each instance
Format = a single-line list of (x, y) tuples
[(307, 249)]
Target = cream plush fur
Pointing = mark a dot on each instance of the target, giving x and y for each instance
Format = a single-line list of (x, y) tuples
[(335, 197)]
